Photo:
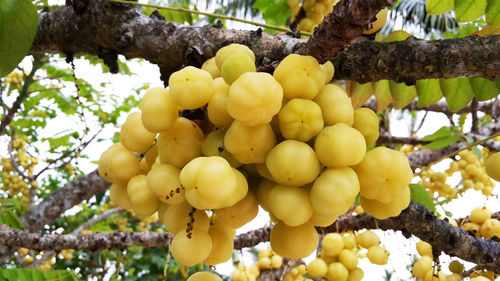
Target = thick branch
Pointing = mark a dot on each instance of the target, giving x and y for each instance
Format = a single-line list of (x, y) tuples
[(104, 28)]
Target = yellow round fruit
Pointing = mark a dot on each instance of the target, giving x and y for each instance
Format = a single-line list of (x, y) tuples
[(134, 135), (217, 106), (191, 87), (180, 143), (492, 166), (240, 190), (254, 98), (456, 267), (383, 174), (264, 188), (349, 258), (240, 213), (249, 144), (321, 220), (356, 274), (377, 255), (424, 248), (335, 105), (164, 182), (235, 65), (222, 246), (300, 119), (334, 191), (366, 121), (317, 268), (158, 110), (478, 278), (118, 164), (340, 146), (211, 67), (193, 250), (300, 76), (337, 272), (213, 145), (290, 204), (422, 266), (454, 277), (328, 70), (204, 276), (176, 217), (284, 240), (367, 239), (144, 202), (392, 208), (276, 261), (350, 241), (282, 162), (433, 275), (381, 18), (119, 196), (332, 244), (211, 178), (490, 228), (479, 215), (216, 222), (229, 50)]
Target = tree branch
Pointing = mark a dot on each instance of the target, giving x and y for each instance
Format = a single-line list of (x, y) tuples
[(107, 29), (416, 219)]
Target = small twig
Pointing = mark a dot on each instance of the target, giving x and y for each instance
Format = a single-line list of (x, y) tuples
[(421, 122), (473, 110)]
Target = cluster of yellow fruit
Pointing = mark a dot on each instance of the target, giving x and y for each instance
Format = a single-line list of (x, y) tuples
[(435, 182), (293, 137), (12, 181), (473, 171), (316, 10), (14, 79), (267, 259), (67, 254), (482, 222), (423, 267)]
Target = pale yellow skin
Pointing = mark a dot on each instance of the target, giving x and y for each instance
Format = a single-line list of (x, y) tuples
[(254, 98), (222, 246), (349, 258), (332, 244), (240, 213), (455, 277), (377, 255), (158, 110), (211, 67), (300, 76), (191, 251), (367, 239), (217, 106), (249, 144), (191, 87), (435, 275), (377, 25), (239, 192), (318, 219), (317, 268), (163, 180), (479, 215), (422, 266), (211, 178), (144, 202), (134, 136), (282, 161), (118, 195), (284, 240), (264, 188), (366, 121), (213, 145), (356, 274), (337, 271), (225, 52), (334, 191), (350, 241), (176, 217), (204, 276), (263, 171), (335, 105), (162, 209), (180, 143), (492, 166), (490, 228), (290, 204), (151, 154), (216, 222), (328, 70), (118, 164), (300, 119), (383, 174), (235, 65), (381, 210), (340, 146), (424, 248)]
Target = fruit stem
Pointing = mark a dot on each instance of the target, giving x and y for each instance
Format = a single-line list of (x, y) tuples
[(177, 9), (468, 146)]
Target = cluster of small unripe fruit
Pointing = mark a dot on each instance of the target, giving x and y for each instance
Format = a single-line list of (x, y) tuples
[(289, 142), (482, 223)]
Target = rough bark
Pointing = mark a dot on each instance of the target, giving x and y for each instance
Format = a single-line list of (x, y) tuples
[(107, 29), (416, 220)]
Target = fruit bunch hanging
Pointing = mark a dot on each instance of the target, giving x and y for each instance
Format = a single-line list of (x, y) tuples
[(289, 142)]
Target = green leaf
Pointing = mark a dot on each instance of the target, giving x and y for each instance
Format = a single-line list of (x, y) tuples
[(382, 93), (429, 92), (477, 151), (359, 93), (420, 195), (30, 274), (483, 89), (441, 133), (402, 94), (469, 10), (10, 218), (275, 12), (436, 7), (493, 13), (442, 142), (18, 24), (457, 91), (448, 213)]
